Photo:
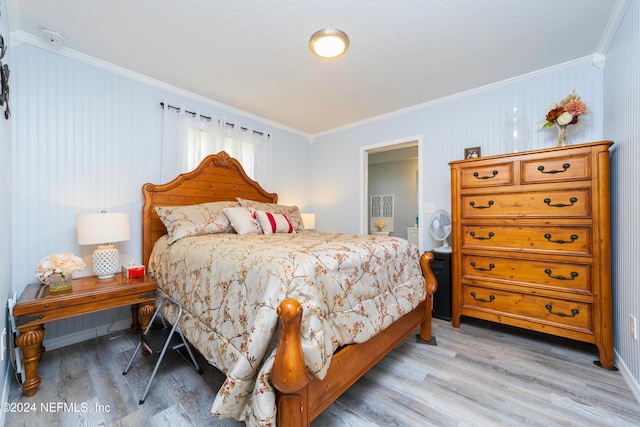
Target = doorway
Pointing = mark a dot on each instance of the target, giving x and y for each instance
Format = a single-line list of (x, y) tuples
[(398, 151)]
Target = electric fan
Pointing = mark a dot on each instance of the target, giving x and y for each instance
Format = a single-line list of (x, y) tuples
[(440, 227)]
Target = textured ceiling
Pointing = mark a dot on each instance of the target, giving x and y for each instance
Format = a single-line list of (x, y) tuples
[(253, 54)]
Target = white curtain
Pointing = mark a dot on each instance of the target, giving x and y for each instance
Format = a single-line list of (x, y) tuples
[(189, 138)]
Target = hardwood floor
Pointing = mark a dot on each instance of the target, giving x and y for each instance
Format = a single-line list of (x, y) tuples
[(479, 375)]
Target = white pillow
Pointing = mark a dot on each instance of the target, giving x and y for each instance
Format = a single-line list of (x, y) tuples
[(243, 220), (274, 223)]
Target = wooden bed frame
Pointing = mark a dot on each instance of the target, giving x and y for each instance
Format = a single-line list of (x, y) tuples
[(300, 397)]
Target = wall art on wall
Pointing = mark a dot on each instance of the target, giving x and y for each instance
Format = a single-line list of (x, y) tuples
[(4, 80)]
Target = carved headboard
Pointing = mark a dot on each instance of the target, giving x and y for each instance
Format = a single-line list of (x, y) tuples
[(218, 178)]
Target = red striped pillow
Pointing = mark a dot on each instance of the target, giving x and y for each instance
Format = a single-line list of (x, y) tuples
[(272, 223)]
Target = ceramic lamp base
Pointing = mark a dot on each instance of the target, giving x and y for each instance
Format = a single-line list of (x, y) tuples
[(106, 261)]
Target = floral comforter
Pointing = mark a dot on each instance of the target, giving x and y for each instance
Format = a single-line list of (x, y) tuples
[(350, 287)]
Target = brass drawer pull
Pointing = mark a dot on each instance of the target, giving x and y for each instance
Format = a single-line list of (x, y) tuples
[(561, 205), (573, 238), (574, 274), (473, 205), (493, 175), (473, 234), (491, 298), (491, 267), (574, 311), (553, 171)]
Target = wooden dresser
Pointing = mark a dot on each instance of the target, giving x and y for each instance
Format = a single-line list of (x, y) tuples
[(531, 242)]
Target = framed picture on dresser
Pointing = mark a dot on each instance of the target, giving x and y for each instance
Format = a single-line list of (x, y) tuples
[(472, 153)]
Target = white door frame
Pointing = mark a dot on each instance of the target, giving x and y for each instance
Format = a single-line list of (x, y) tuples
[(364, 177)]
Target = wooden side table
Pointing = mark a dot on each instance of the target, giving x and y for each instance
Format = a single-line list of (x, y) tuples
[(37, 305)]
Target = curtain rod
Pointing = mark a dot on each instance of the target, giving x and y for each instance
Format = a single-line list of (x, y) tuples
[(171, 107)]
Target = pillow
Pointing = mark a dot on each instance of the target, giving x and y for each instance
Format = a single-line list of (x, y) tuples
[(274, 223), (195, 220), (292, 212), (243, 220)]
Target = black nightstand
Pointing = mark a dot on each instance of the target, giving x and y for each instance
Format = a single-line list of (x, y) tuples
[(441, 267)]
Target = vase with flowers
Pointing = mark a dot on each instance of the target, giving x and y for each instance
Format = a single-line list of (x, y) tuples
[(565, 113), (380, 225), (57, 270)]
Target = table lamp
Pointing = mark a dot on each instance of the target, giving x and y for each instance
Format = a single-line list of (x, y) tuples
[(103, 229), (308, 220)]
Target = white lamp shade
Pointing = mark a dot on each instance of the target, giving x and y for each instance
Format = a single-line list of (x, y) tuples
[(308, 220), (101, 229), (96, 229)]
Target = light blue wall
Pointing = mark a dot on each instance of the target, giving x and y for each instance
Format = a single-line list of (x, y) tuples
[(86, 137), (622, 124), (5, 196), (447, 126)]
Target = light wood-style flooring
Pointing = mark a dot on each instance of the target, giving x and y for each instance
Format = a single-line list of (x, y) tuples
[(479, 375)]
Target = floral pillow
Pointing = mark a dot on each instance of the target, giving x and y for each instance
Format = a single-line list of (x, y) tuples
[(274, 223), (243, 220), (292, 212), (195, 220)]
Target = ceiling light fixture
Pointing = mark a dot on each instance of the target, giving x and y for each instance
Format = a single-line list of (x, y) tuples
[(329, 43)]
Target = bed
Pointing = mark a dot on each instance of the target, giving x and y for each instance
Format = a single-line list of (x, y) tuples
[(300, 379)]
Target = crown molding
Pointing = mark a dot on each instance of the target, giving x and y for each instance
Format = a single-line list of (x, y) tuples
[(20, 37), (585, 60), (617, 14)]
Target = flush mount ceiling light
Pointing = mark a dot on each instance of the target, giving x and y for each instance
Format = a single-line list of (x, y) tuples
[(329, 43)]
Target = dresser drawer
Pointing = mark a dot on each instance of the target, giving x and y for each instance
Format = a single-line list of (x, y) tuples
[(487, 176), (529, 238), (547, 274), (538, 308), (574, 203), (555, 169)]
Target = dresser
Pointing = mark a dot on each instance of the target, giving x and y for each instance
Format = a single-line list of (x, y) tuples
[(531, 242)]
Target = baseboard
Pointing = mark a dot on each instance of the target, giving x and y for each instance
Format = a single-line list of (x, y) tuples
[(76, 337), (8, 370), (628, 377)]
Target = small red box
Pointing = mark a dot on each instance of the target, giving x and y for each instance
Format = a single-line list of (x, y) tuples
[(131, 271)]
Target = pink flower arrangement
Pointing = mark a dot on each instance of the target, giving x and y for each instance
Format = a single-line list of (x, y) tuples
[(566, 112), (63, 263), (380, 224)]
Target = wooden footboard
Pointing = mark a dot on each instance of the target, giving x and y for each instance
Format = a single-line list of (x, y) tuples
[(300, 397)]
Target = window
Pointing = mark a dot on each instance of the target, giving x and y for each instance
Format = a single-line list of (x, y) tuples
[(189, 137), (381, 207)]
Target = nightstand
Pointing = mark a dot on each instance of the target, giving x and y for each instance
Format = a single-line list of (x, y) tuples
[(413, 235), (36, 306)]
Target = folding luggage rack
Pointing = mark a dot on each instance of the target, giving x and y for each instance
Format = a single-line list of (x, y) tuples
[(159, 340)]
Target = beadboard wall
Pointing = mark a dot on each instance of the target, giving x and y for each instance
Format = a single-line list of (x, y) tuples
[(86, 138), (477, 118), (622, 124), (447, 126), (84, 142), (5, 196)]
